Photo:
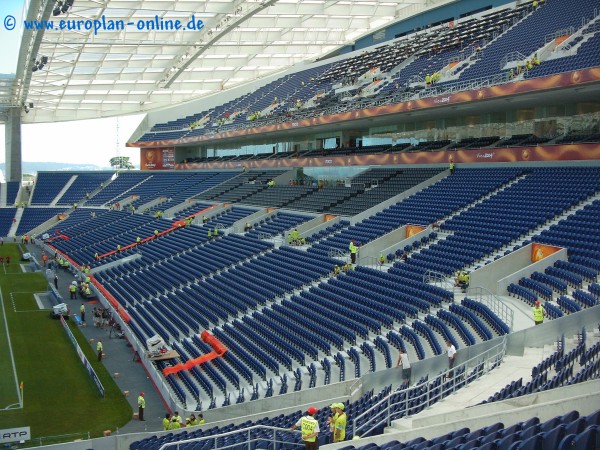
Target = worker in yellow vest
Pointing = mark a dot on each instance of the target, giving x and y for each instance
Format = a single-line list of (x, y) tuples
[(538, 313), (141, 406), (310, 429), (99, 349), (339, 432), (353, 249), (331, 420)]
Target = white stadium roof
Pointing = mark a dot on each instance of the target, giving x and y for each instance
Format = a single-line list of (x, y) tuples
[(127, 70)]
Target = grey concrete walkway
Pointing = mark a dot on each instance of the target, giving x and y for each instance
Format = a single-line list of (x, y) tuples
[(119, 359)]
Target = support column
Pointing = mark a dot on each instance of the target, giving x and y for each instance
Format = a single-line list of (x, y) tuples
[(12, 145)]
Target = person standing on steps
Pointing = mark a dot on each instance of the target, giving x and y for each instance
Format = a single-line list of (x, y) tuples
[(405, 364), (451, 352), (310, 429), (141, 406), (353, 249), (99, 349), (538, 313)]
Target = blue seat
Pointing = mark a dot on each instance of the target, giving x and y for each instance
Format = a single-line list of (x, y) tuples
[(588, 439), (576, 426), (554, 435), (566, 443), (533, 443)]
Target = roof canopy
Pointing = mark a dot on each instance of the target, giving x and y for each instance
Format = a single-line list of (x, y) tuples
[(113, 57)]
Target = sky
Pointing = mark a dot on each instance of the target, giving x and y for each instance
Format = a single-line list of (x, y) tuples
[(81, 142), (10, 38)]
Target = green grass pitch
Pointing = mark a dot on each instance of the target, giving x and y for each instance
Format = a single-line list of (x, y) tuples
[(59, 396)]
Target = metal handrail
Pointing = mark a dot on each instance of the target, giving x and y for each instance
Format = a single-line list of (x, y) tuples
[(370, 261), (263, 235), (512, 56), (248, 442), (434, 390), (336, 253), (434, 277), (558, 33), (503, 311)]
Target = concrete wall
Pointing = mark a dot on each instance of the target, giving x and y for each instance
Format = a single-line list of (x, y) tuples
[(538, 266), (497, 275), (286, 177), (252, 219), (389, 243), (551, 330), (315, 225), (487, 277), (434, 365), (12, 145), (218, 209)]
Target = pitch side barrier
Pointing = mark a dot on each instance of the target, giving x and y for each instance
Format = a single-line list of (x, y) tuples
[(83, 359)]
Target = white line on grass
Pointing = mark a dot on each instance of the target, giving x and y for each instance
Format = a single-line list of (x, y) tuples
[(12, 358)]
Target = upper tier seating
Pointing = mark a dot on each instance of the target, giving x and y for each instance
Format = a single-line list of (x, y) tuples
[(48, 185), (84, 184), (12, 189), (392, 72)]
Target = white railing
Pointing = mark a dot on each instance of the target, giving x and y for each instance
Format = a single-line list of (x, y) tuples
[(370, 261), (498, 307), (407, 402), (336, 253), (252, 439), (558, 33), (438, 279), (512, 56)]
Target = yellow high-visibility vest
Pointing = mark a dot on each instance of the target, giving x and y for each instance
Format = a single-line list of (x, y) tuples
[(308, 425), (538, 314)]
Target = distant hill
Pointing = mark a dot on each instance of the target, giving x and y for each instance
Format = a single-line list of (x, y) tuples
[(35, 167)]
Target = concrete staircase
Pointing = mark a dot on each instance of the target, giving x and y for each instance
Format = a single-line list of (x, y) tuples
[(63, 190), (15, 225)]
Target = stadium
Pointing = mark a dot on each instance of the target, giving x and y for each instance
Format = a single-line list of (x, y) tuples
[(381, 211)]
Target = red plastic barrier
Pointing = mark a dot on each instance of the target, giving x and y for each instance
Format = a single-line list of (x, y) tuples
[(62, 236), (218, 350), (216, 345), (175, 226), (113, 301)]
